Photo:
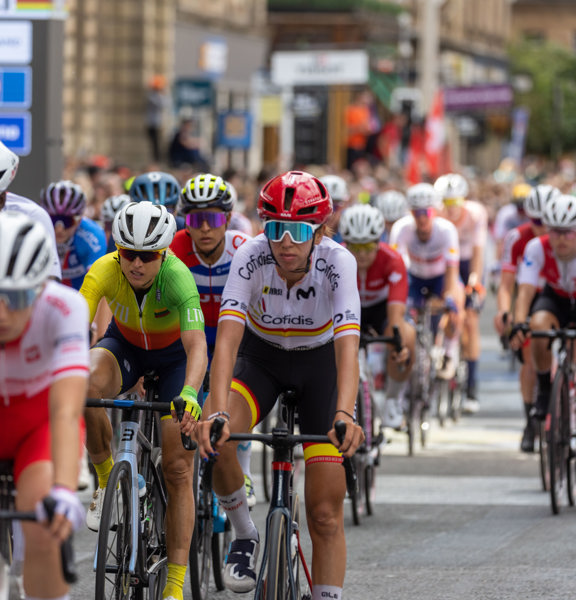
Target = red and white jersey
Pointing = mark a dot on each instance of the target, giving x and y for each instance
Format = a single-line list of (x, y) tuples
[(514, 246), (539, 260), (472, 227), (322, 306), (430, 258), (54, 345), (386, 279)]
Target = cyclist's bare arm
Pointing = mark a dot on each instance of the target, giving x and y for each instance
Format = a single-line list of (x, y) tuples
[(395, 313), (476, 266), (194, 342), (504, 299), (452, 285), (346, 351), (67, 396), (228, 338), (102, 319), (526, 293)]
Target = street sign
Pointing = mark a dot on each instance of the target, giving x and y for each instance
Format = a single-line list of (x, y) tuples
[(235, 129), (15, 88), (16, 132), (15, 42)]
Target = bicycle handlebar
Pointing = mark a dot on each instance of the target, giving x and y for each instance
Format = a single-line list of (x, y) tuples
[(66, 548), (395, 339), (187, 442)]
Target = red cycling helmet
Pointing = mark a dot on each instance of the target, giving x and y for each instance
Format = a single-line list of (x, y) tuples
[(295, 196)]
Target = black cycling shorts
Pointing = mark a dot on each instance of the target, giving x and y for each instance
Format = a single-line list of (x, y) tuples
[(562, 308)]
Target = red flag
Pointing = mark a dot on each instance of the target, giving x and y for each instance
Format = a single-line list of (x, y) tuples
[(435, 141), (415, 155)]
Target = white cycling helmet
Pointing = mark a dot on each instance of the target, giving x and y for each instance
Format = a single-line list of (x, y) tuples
[(112, 205), (8, 167), (25, 252), (337, 188), (422, 195), (560, 211), (452, 186), (361, 223), (206, 191), (144, 226), (392, 204), (537, 199)]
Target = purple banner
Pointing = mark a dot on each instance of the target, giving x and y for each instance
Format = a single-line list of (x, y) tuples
[(478, 97)]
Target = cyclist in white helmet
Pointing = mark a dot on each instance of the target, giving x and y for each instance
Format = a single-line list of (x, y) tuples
[(471, 220), (207, 247), (44, 342), (157, 324), (513, 251), (393, 206), (383, 285), (547, 256), (340, 194), (110, 207), (429, 246), (10, 201)]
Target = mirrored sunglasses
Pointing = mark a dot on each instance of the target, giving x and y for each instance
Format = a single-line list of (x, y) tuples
[(65, 220), (366, 247), (145, 256), (422, 212), (214, 219), (19, 299), (299, 232)]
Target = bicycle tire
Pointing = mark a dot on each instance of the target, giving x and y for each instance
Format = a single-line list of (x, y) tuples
[(357, 502), (114, 536), (558, 444), (154, 535), (370, 488), (220, 543), (440, 393), (200, 555), (265, 462), (543, 454), (276, 577)]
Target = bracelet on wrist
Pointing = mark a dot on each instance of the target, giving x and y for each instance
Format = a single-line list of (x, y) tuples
[(220, 413), (347, 414)]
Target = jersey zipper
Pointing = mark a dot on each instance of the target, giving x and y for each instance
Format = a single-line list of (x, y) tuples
[(140, 312)]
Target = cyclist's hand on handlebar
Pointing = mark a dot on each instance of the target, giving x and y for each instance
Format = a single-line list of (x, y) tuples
[(518, 335), (450, 304), (352, 440), (69, 514), (208, 440), (192, 410), (401, 357)]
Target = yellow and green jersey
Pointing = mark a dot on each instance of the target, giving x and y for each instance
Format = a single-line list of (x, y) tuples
[(171, 305)]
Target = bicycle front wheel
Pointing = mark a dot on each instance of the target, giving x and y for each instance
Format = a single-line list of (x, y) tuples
[(559, 440), (544, 428), (115, 536), (276, 577)]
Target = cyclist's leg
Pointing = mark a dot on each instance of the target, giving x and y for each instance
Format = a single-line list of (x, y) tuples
[(527, 376)]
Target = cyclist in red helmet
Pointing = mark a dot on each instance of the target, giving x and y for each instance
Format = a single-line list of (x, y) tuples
[(288, 317)]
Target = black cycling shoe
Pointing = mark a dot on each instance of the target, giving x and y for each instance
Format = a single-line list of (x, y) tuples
[(540, 408), (528, 437)]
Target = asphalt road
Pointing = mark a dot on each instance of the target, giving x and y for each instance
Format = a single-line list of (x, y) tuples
[(465, 518)]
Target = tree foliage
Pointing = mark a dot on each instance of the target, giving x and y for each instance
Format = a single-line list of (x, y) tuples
[(552, 99)]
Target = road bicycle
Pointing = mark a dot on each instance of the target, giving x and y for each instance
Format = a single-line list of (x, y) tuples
[(279, 576), (367, 456), (131, 560), (560, 423), (212, 533), (9, 584)]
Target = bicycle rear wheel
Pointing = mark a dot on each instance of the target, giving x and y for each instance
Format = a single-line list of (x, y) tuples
[(114, 536), (221, 538), (357, 497), (543, 452), (200, 555), (559, 439)]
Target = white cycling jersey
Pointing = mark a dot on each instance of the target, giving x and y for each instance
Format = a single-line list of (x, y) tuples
[(36, 213), (54, 345), (322, 306), (426, 259), (472, 227)]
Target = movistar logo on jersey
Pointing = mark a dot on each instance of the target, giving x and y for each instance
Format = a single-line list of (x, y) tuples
[(329, 271), (272, 291), (255, 263), (305, 294), (286, 320)]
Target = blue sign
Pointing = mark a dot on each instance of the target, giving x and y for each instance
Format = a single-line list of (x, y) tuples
[(235, 129), (15, 88), (16, 132)]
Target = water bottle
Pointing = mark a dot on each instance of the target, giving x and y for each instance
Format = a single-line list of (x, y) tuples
[(141, 486)]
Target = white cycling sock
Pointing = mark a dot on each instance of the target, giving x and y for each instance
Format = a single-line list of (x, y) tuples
[(452, 347), (326, 592), (244, 453), (395, 389), (236, 507)]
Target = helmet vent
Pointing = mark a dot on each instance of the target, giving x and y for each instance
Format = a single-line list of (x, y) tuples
[(268, 207), (309, 210), (288, 197), (16, 248)]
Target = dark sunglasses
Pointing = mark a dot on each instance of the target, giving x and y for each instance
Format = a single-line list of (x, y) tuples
[(145, 256), (66, 220), (214, 219)]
